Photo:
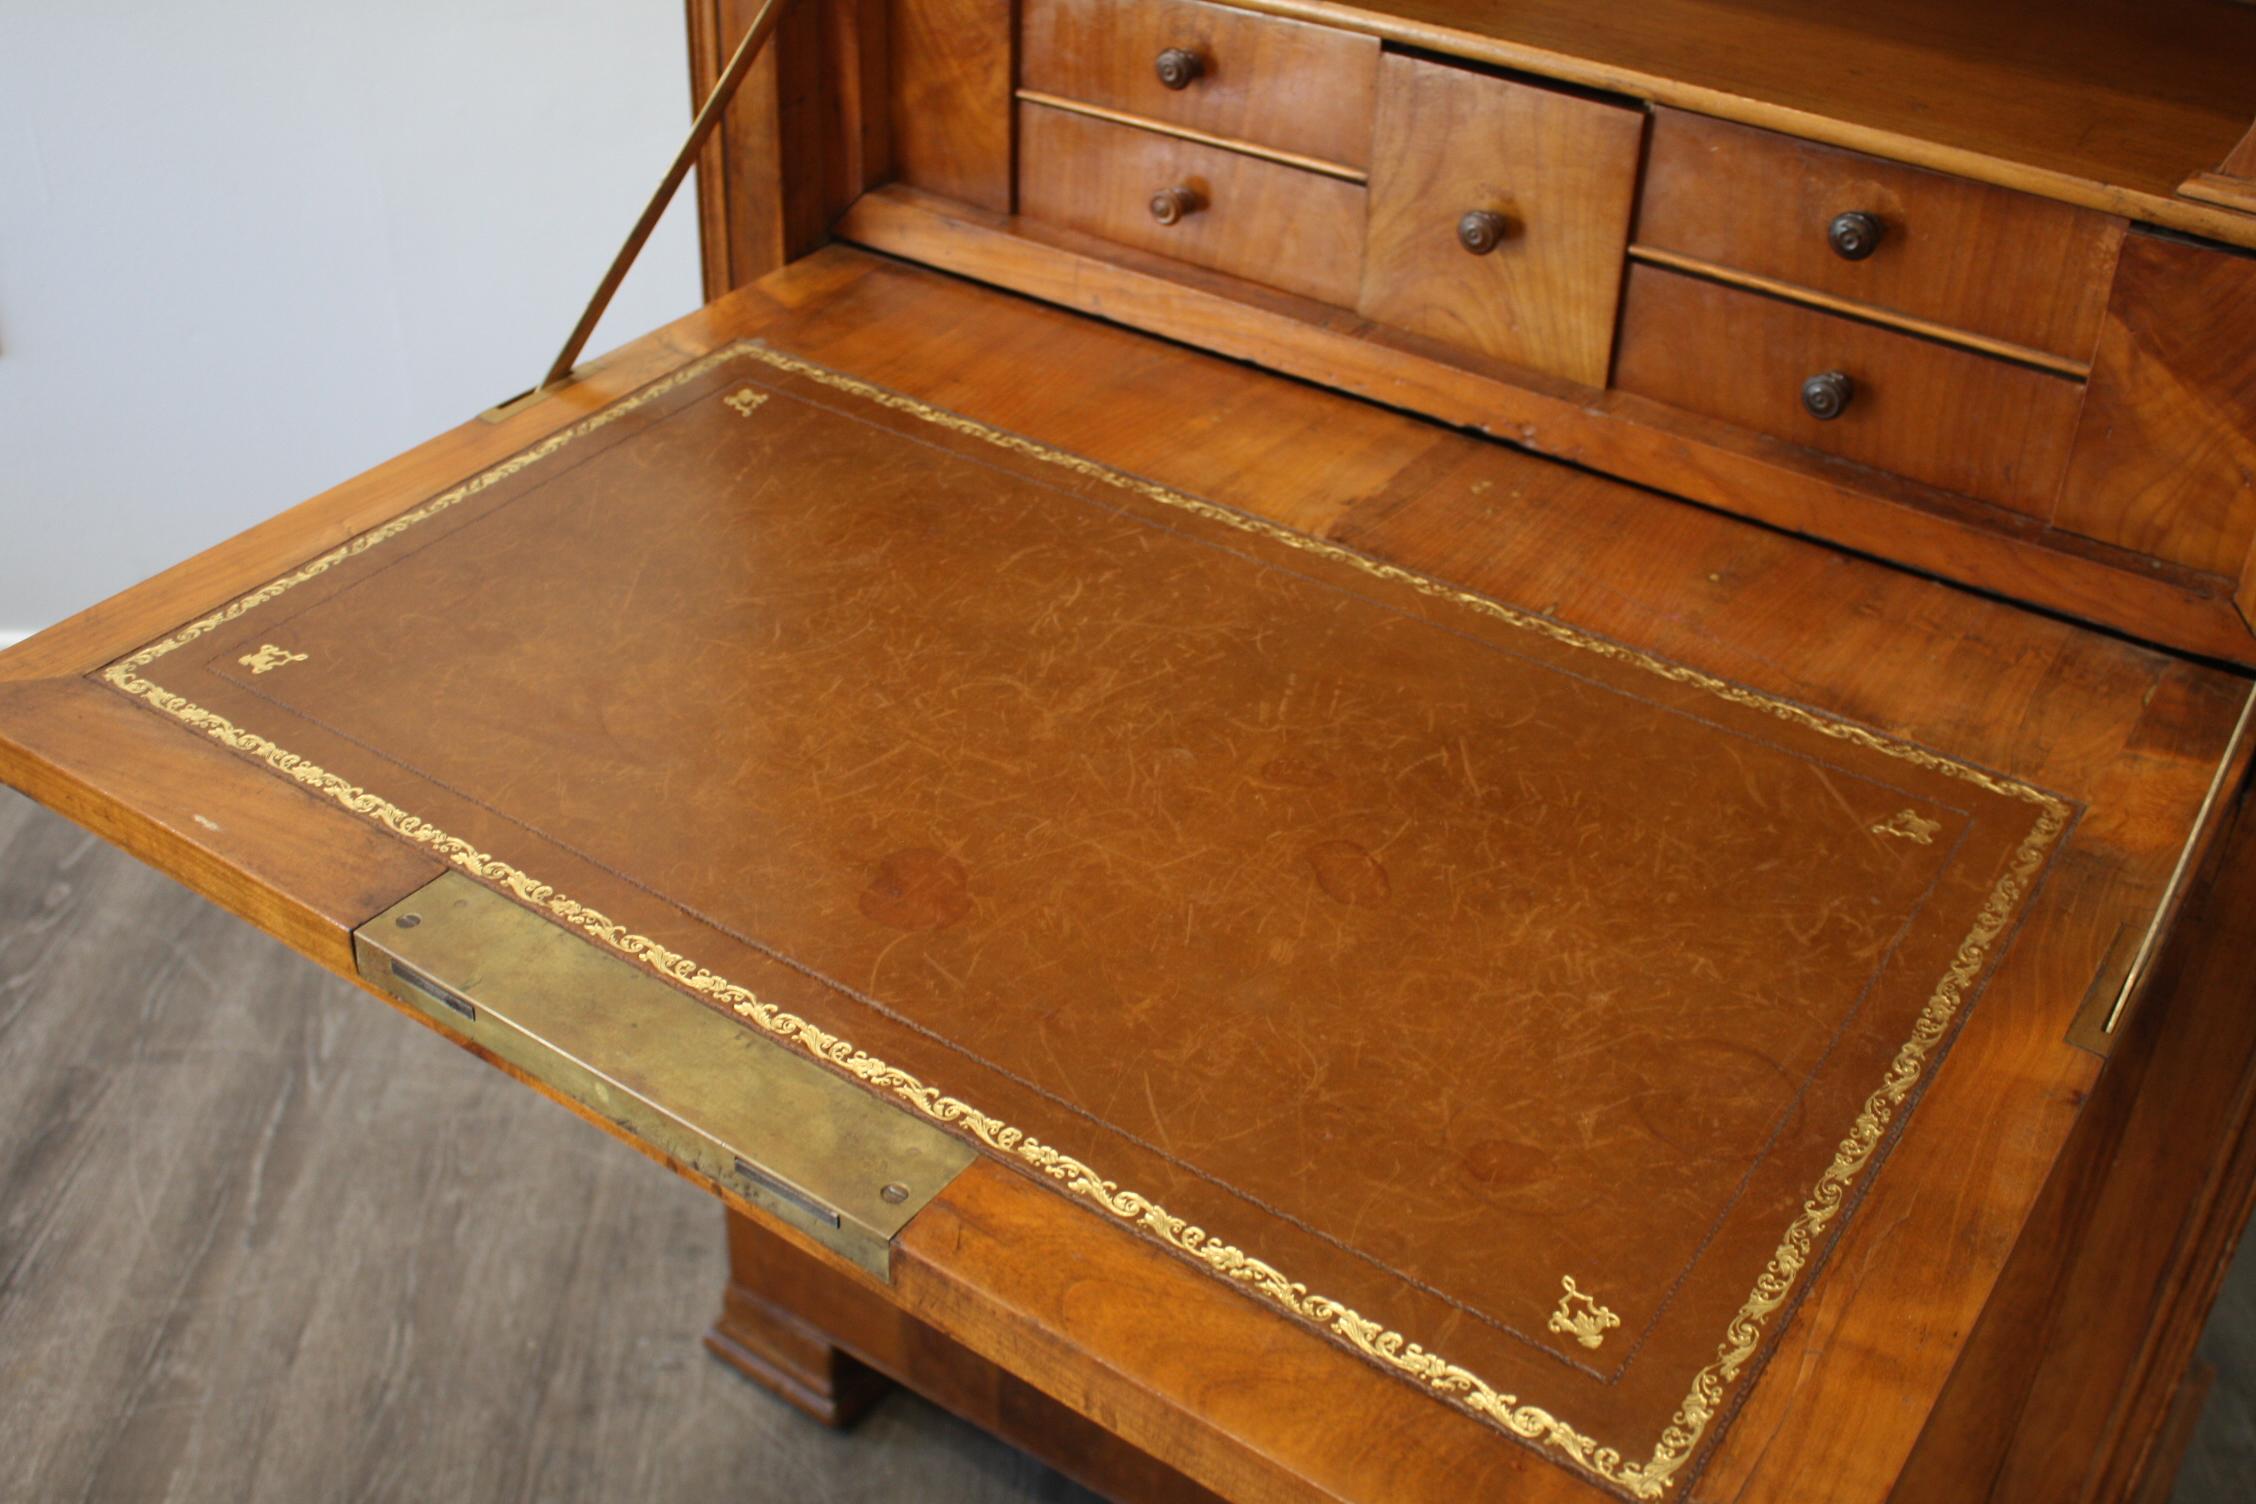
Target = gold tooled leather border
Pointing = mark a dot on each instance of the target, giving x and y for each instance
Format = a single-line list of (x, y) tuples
[(1649, 1479)]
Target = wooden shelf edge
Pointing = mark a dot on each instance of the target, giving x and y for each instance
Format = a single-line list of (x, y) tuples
[(1616, 433)]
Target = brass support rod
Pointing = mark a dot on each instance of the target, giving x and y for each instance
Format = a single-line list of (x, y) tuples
[(716, 104), (2140, 961)]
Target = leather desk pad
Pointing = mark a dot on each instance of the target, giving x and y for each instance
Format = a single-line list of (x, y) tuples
[(1522, 1010)]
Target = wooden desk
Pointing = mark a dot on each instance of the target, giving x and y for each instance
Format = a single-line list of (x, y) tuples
[(1255, 943)]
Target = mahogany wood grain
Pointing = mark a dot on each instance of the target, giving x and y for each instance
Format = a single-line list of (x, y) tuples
[(1301, 89), (305, 872), (1560, 168), (951, 68), (2106, 105), (2165, 456), (1298, 231), (1940, 415), (1702, 460), (2010, 265)]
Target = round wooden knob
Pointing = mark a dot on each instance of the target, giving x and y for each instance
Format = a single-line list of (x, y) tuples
[(1178, 68), (1827, 395), (1169, 205), (1855, 235), (1482, 230)]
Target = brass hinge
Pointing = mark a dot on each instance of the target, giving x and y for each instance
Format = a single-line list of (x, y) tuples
[(835, 1161)]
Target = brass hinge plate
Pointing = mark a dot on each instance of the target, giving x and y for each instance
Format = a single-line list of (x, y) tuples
[(836, 1162)]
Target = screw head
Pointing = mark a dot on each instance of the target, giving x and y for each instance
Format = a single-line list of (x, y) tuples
[(408, 921), (894, 1194)]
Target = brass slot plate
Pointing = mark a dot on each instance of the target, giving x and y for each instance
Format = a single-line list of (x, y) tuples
[(810, 1148)]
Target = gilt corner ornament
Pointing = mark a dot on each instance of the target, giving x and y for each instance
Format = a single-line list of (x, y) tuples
[(269, 658), (1581, 1317), (1910, 826)]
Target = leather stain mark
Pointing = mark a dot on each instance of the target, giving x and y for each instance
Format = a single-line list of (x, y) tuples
[(1348, 874), (1289, 770), (918, 888)]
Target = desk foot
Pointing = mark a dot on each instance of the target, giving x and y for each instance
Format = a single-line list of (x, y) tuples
[(777, 1348), (832, 1344)]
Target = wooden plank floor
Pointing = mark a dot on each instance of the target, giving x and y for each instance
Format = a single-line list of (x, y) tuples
[(261, 1239)]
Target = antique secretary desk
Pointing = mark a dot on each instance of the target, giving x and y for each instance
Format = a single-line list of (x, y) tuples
[(1429, 750)]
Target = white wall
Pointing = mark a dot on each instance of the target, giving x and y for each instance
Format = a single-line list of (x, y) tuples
[(250, 247)]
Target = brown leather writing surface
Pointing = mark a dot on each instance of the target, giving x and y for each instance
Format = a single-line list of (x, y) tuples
[(1420, 965)]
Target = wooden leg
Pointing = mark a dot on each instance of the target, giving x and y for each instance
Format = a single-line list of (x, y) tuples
[(760, 1336), (832, 1346)]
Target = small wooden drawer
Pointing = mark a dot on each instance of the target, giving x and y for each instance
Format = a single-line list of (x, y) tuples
[(1256, 219), (1284, 85), (2008, 266), (1987, 428), (1499, 215)]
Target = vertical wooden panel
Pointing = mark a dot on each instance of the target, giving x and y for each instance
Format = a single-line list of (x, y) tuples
[(953, 69), (2165, 456), (1561, 169), (739, 187), (805, 136)]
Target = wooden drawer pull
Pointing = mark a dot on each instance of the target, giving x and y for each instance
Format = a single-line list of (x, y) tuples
[(1179, 69), (1169, 205), (1855, 235), (1482, 230), (1827, 395)]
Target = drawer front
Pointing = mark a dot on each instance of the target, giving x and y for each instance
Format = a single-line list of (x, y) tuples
[(1967, 423), (1537, 283), (1987, 260), (1285, 85), (1299, 231)]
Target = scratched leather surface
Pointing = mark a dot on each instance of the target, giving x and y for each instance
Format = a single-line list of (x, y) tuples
[(1429, 957)]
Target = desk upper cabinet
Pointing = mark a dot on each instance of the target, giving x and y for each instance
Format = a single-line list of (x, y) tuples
[(1129, 746), (1868, 277)]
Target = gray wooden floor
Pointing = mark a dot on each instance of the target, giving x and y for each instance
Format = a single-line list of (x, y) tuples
[(261, 1239)]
